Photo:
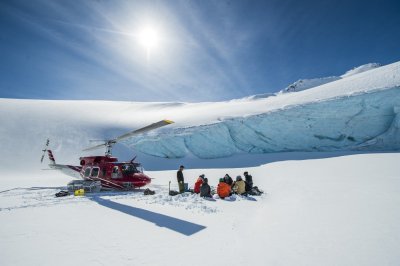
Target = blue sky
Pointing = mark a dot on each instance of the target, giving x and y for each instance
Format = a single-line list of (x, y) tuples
[(203, 50)]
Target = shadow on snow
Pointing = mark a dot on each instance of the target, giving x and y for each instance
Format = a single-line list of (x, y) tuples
[(180, 226)]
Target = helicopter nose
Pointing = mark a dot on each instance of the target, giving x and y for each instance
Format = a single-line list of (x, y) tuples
[(148, 180), (145, 179)]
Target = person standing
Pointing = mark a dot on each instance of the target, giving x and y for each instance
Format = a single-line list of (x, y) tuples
[(179, 176)]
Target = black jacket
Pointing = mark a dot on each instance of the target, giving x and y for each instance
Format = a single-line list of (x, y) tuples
[(249, 182), (205, 190), (228, 180), (179, 176)]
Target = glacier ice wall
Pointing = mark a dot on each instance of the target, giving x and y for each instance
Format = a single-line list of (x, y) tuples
[(368, 121)]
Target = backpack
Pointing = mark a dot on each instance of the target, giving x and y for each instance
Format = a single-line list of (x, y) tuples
[(147, 191)]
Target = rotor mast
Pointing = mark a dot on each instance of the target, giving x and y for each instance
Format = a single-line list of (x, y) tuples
[(109, 145)]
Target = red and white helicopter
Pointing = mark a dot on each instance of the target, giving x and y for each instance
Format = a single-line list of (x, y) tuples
[(106, 170)]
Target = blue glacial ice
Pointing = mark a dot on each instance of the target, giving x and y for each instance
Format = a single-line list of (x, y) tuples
[(368, 121)]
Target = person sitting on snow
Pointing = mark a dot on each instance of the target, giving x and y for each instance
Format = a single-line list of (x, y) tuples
[(228, 180), (205, 190), (249, 181), (198, 184), (239, 187), (223, 189), (250, 189)]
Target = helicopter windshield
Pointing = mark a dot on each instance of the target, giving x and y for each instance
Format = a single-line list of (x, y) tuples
[(129, 169)]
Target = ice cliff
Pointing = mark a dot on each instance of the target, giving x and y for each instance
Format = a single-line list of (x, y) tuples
[(364, 117), (369, 121)]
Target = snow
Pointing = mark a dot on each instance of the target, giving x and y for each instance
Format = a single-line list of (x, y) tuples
[(361, 69), (328, 200), (334, 211), (304, 84)]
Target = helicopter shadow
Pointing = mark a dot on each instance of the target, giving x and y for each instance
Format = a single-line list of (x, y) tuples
[(178, 225)]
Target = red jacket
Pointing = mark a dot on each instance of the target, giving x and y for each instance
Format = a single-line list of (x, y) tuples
[(197, 185), (223, 190)]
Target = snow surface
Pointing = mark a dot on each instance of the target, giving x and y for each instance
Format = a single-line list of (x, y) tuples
[(304, 84), (335, 211), (361, 69)]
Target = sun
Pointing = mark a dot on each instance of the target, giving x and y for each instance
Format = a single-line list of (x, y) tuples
[(149, 38)]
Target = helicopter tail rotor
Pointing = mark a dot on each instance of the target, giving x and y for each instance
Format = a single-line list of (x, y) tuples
[(51, 157), (44, 150)]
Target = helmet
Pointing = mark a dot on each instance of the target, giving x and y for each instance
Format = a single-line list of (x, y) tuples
[(238, 178), (221, 180)]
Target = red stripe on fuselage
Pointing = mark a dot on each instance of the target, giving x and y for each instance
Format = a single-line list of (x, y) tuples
[(104, 181)]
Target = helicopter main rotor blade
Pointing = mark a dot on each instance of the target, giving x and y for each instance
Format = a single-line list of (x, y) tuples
[(95, 147), (131, 134), (144, 129)]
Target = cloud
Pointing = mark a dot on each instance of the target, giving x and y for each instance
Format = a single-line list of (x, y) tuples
[(197, 60)]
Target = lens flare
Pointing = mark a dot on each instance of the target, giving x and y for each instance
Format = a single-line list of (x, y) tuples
[(148, 37)]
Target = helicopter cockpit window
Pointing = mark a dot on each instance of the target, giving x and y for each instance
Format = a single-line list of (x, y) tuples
[(95, 172), (140, 169), (87, 172), (129, 169)]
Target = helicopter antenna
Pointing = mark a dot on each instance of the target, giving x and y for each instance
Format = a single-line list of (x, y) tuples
[(108, 144), (45, 149)]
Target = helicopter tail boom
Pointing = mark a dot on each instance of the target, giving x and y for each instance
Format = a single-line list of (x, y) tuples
[(70, 170)]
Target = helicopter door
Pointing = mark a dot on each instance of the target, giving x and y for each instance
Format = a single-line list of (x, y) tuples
[(115, 172), (95, 172), (87, 172)]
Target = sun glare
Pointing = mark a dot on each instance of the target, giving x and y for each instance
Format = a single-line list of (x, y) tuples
[(148, 37)]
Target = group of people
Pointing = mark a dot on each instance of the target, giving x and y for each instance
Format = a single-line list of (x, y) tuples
[(226, 186)]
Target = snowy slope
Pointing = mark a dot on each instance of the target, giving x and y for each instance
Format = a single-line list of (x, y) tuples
[(360, 69), (304, 84), (354, 113)]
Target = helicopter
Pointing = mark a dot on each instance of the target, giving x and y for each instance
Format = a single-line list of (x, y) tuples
[(105, 172)]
